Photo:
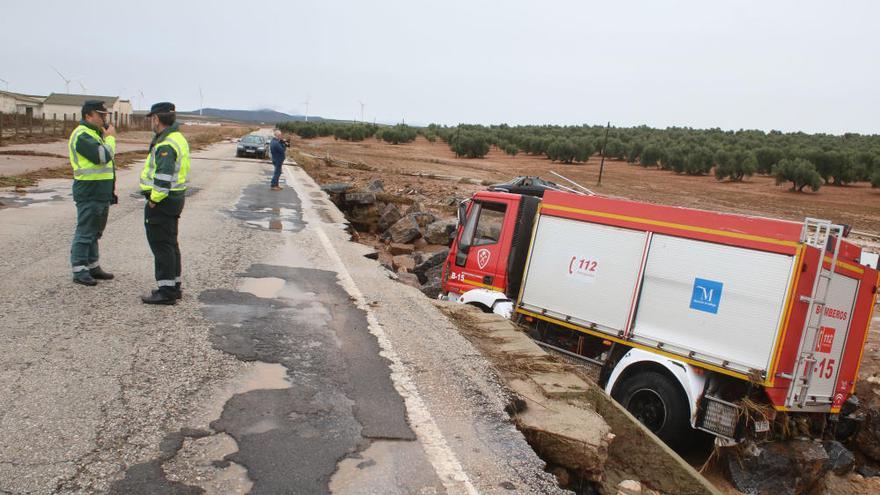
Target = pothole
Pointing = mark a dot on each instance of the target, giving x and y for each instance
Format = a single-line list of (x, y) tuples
[(263, 208)]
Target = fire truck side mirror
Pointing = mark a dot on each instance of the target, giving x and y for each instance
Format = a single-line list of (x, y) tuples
[(466, 232), (462, 213)]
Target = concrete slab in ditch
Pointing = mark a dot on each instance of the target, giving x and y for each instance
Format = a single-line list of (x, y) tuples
[(570, 421)]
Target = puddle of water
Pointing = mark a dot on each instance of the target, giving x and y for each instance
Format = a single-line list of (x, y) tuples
[(269, 210), (277, 225), (294, 293), (256, 376), (32, 197), (195, 465), (314, 313), (268, 287), (262, 376)]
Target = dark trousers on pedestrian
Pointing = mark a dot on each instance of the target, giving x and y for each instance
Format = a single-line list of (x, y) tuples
[(161, 225), (277, 174), (91, 218)]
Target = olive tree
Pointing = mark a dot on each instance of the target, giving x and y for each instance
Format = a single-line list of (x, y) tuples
[(801, 173), (735, 164)]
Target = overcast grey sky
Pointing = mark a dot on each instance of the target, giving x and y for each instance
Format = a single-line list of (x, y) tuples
[(789, 65)]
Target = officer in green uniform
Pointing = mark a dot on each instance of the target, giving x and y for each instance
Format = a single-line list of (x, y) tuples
[(163, 184), (91, 147)]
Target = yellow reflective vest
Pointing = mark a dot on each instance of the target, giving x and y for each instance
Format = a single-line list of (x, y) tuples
[(85, 169), (161, 174)]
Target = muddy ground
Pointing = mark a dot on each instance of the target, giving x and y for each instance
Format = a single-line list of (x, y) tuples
[(857, 205), (429, 174)]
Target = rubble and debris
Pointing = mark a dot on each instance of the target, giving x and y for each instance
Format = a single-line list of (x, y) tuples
[(409, 279), (415, 207), (360, 198), (404, 230), (868, 438), (850, 484), (868, 471), (396, 248), (432, 289), (389, 216), (337, 188), (434, 260), (403, 263), (633, 487), (840, 459), (376, 186), (441, 232), (777, 468)]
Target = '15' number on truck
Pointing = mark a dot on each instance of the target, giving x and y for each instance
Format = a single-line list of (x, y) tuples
[(825, 368)]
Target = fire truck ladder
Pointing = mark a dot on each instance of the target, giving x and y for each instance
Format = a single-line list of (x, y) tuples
[(819, 234)]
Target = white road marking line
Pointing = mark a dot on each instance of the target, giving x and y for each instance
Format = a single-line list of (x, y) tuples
[(442, 458)]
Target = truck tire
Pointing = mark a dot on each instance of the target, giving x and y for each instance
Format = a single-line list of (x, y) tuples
[(658, 403)]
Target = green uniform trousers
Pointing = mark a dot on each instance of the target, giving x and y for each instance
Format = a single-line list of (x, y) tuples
[(91, 218), (161, 225)]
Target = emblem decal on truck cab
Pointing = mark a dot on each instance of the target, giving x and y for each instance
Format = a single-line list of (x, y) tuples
[(706, 295), (483, 256)]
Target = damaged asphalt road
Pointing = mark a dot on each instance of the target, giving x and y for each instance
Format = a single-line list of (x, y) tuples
[(292, 365), (340, 397)]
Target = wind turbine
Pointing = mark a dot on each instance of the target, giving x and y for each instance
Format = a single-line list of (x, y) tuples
[(362, 110), (306, 103), (4, 81), (81, 85), (66, 80), (140, 100), (201, 101)]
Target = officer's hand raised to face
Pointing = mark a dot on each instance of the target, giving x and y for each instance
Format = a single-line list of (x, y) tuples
[(110, 131)]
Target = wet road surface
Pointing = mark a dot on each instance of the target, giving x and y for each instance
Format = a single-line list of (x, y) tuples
[(292, 365)]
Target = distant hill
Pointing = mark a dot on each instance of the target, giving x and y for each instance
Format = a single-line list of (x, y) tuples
[(265, 116)]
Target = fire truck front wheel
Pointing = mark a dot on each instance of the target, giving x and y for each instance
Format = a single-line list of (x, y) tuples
[(658, 402)]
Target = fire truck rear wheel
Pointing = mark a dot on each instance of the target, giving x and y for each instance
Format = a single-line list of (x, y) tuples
[(659, 403)]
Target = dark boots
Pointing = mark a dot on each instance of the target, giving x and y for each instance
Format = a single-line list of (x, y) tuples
[(84, 278), (98, 274), (159, 296), (91, 277)]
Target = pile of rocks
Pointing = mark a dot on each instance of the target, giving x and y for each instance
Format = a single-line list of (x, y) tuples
[(794, 467), (414, 241)]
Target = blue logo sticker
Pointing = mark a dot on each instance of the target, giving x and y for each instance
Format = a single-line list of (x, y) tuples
[(707, 295)]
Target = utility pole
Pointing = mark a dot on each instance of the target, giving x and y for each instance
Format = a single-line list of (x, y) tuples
[(602, 163)]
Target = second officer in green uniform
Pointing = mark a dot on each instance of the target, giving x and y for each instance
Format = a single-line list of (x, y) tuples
[(163, 184)]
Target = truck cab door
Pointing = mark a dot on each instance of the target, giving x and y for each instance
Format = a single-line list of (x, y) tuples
[(478, 257)]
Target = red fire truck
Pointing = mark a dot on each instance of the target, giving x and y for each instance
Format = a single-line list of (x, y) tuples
[(687, 313)]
